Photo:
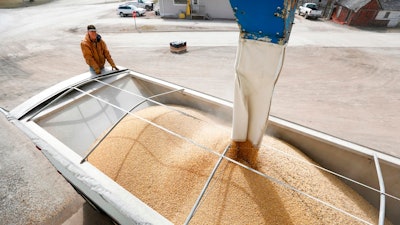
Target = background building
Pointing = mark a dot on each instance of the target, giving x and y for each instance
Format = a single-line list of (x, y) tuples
[(366, 13), (377, 13)]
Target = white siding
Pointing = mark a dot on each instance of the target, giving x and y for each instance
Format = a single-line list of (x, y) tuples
[(392, 16), (169, 9), (215, 9), (219, 9)]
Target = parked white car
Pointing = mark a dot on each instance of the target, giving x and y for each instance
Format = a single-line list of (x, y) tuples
[(128, 10), (310, 10), (146, 4)]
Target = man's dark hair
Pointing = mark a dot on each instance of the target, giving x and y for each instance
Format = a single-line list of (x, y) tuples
[(91, 27)]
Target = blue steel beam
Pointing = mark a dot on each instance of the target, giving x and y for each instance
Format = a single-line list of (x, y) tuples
[(265, 20)]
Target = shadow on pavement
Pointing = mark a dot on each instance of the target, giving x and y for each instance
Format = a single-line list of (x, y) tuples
[(87, 215)]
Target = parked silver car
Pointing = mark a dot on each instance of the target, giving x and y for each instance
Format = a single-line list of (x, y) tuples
[(129, 10)]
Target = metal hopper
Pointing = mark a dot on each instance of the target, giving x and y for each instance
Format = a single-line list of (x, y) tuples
[(66, 122)]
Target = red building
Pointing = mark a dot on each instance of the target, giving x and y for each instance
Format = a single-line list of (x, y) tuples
[(367, 13)]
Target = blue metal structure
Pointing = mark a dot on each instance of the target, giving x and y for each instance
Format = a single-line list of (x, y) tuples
[(265, 20)]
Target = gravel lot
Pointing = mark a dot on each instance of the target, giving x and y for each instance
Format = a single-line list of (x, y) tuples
[(340, 80)]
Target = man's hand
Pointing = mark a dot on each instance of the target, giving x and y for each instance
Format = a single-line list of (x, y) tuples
[(115, 68)]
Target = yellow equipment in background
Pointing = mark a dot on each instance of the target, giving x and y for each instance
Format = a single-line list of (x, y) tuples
[(188, 8)]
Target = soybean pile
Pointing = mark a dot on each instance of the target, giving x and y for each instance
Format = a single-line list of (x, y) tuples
[(168, 169)]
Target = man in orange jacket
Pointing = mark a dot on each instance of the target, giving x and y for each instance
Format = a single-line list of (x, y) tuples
[(95, 51)]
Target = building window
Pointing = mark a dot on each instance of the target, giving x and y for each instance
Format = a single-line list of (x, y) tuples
[(180, 1), (386, 15)]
